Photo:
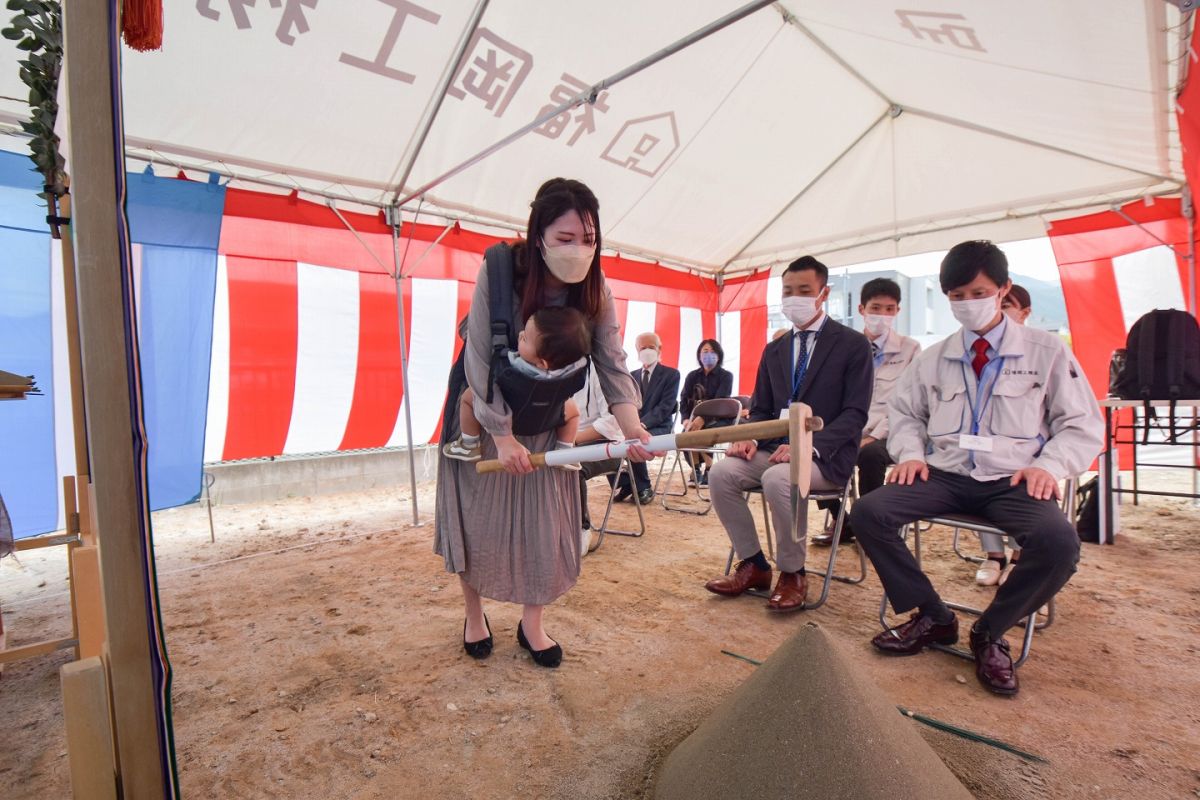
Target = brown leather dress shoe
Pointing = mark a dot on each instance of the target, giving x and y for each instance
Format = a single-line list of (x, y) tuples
[(993, 664), (910, 638), (746, 576), (790, 592), (825, 539)]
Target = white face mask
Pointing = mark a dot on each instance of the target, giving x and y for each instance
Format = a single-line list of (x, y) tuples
[(975, 314), (569, 262), (648, 356), (800, 310), (878, 324)]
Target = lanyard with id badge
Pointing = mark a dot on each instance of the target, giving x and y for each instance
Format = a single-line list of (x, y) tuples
[(973, 441)]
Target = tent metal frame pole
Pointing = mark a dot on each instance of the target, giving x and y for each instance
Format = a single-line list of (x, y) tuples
[(439, 97), (395, 276), (792, 20), (1120, 212), (393, 219), (895, 237), (590, 94), (1012, 137), (233, 176), (1189, 213), (889, 112)]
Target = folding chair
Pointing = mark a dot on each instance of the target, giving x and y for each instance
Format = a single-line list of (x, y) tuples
[(1068, 507), (718, 408), (623, 468), (844, 495), (961, 522)]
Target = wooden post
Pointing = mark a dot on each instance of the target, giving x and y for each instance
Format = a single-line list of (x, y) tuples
[(89, 730), (142, 746), (71, 304), (88, 602)]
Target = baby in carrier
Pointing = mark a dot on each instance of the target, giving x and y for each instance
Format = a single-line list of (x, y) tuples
[(554, 342)]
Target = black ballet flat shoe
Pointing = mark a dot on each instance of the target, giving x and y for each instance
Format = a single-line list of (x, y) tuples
[(481, 649), (550, 657)]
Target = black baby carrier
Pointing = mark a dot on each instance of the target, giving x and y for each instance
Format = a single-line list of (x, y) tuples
[(536, 403), (1161, 361)]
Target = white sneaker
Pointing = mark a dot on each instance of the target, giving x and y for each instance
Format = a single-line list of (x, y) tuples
[(585, 541), (460, 452), (988, 573), (1007, 571)]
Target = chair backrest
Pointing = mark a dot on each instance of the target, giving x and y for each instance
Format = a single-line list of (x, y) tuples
[(718, 408), (744, 399)]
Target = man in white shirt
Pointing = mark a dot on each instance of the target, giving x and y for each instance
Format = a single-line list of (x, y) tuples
[(986, 422), (891, 353)]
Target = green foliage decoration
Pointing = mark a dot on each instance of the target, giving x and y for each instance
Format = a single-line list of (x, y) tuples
[(37, 30)]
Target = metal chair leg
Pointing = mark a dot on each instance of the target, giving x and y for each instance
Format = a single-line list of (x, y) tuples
[(663, 468), (624, 469), (683, 477), (965, 556), (1030, 623), (828, 574)]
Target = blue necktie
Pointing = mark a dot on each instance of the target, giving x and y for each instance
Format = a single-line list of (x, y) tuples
[(801, 364)]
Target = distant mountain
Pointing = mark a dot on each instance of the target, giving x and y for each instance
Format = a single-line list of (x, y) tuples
[(1049, 309)]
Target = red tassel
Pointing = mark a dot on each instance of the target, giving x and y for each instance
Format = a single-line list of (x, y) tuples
[(142, 24)]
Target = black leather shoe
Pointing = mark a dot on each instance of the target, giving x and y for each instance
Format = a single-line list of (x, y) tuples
[(623, 494), (646, 497), (993, 663), (481, 649), (825, 538), (550, 657), (910, 638)]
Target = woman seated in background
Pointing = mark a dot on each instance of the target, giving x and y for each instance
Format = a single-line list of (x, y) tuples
[(707, 382)]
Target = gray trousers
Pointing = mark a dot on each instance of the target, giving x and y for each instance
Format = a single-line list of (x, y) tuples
[(1050, 546), (730, 478)]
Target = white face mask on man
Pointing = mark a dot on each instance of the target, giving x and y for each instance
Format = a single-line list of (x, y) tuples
[(878, 324), (569, 262), (648, 356), (976, 314), (800, 310)]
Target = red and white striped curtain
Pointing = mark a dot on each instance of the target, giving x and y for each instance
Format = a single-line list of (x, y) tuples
[(306, 346)]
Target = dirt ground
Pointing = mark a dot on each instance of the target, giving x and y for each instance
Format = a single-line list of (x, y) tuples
[(316, 654)]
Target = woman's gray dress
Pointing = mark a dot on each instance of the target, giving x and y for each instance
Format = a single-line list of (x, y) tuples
[(515, 538)]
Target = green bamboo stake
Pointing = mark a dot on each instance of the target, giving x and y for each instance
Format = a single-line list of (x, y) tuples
[(963, 733)]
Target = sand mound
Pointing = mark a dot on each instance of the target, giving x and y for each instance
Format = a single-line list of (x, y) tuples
[(806, 724)]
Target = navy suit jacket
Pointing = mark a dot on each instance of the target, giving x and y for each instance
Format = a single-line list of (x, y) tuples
[(837, 386), (659, 402)]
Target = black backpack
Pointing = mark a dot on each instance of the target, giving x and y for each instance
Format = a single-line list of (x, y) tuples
[(536, 403), (1161, 361), (1087, 511)]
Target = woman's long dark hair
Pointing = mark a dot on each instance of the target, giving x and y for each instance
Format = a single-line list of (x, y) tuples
[(554, 198), (716, 347)]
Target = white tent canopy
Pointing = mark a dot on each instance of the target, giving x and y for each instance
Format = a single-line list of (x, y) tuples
[(853, 130)]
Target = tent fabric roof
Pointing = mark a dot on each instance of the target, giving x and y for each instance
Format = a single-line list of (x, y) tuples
[(853, 130)]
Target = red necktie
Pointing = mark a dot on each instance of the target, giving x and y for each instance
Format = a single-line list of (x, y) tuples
[(980, 360)]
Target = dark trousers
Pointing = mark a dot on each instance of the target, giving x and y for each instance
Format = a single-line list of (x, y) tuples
[(873, 461), (1049, 543), (587, 471), (641, 476)]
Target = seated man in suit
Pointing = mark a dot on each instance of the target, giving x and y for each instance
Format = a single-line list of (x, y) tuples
[(828, 366), (879, 304), (660, 387), (986, 422)]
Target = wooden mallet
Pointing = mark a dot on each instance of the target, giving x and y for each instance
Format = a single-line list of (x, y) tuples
[(797, 426)]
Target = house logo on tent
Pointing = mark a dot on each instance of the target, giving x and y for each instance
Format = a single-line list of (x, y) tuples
[(644, 144)]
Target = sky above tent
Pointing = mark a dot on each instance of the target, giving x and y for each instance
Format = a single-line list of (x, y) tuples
[(856, 131)]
